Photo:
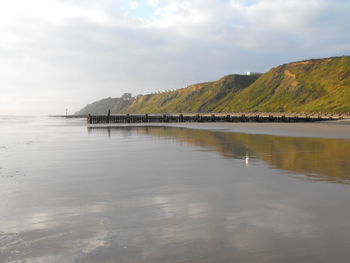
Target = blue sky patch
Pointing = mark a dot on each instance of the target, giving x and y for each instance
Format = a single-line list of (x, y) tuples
[(140, 9), (250, 2)]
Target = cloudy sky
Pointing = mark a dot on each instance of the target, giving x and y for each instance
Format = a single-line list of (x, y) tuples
[(58, 54)]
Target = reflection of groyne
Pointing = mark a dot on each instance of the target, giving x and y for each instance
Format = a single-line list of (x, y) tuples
[(233, 117), (318, 158)]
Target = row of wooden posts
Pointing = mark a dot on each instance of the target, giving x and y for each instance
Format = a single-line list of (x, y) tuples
[(147, 118)]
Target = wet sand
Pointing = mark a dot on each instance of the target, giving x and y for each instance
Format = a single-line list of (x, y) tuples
[(326, 129), (166, 195)]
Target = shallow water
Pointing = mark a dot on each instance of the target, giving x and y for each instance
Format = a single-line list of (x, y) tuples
[(156, 194)]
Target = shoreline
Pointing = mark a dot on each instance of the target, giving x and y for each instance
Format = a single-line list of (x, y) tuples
[(338, 129)]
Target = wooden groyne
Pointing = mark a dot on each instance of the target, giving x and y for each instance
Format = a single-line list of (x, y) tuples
[(232, 117)]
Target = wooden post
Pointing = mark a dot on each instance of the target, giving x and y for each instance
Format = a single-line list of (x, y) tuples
[(108, 116), (181, 118)]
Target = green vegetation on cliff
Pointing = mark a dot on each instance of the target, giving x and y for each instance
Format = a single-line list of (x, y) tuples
[(317, 85), (203, 97), (320, 85)]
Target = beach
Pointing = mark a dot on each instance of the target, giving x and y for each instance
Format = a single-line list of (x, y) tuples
[(196, 193)]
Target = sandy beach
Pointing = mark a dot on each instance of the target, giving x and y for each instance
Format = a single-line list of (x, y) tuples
[(326, 129), (199, 193)]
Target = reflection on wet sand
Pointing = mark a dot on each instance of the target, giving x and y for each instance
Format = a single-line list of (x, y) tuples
[(163, 195), (318, 158)]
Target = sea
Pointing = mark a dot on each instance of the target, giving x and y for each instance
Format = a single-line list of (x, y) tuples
[(169, 195)]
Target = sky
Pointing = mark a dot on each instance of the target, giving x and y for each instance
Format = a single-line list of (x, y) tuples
[(58, 54)]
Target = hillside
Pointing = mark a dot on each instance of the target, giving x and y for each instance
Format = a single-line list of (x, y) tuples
[(102, 106), (203, 97), (317, 85)]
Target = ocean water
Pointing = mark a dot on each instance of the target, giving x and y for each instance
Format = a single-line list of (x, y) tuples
[(163, 194)]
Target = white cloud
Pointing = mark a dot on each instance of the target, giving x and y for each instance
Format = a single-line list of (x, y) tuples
[(66, 53), (134, 4)]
